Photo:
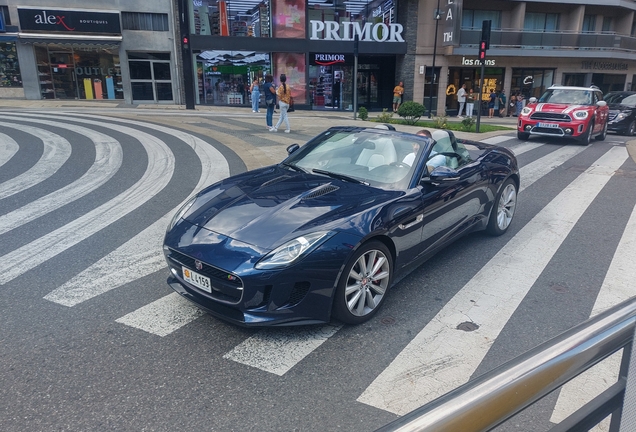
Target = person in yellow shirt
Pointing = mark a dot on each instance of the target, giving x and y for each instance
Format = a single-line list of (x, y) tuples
[(284, 100), (398, 91)]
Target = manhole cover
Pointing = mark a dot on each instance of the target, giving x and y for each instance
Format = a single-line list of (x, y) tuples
[(387, 320), (467, 326)]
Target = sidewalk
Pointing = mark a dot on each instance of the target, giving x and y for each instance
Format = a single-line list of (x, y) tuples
[(321, 117)]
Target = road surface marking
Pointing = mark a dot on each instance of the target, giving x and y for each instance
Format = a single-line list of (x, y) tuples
[(162, 316), (142, 255), (618, 286), (441, 357), (534, 171), (8, 148), (158, 173), (57, 150), (108, 159), (278, 350)]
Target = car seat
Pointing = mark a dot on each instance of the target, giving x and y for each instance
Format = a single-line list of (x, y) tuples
[(382, 153)]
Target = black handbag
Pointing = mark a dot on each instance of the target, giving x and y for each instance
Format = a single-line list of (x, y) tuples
[(291, 105)]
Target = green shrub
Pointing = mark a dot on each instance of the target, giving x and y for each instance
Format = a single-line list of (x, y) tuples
[(411, 111), (468, 123), (441, 121), (385, 117), (363, 113)]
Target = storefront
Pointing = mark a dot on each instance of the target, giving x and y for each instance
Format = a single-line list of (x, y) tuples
[(311, 42), (469, 73), (10, 76)]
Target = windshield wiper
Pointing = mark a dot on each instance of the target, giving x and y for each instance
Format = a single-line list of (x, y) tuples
[(294, 167), (339, 176)]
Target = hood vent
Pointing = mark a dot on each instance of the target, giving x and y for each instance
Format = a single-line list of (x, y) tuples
[(328, 188), (274, 180)]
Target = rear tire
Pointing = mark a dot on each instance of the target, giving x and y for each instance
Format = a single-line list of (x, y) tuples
[(523, 136), (503, 209), (363, 284)]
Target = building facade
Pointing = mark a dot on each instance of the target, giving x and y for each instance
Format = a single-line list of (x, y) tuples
[(117, 50), (533, 44)]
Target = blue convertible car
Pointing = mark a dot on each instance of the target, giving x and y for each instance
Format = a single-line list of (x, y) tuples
[(326, 232)]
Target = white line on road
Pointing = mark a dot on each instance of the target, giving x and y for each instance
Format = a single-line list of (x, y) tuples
[(108, 159), (8, 148), (441, 357), (278, 350), (57, 150), (141, 255), (163, 316), (618, 286), (534, 171), (157, 175)]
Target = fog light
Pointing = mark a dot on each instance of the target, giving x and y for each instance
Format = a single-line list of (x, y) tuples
[(568, 131), (528, 127)]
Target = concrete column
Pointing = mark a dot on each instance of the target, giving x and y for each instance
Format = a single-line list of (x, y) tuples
[(441, 94), (518, 16)]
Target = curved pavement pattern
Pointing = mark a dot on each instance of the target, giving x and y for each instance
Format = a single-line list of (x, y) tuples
[(570, 181)]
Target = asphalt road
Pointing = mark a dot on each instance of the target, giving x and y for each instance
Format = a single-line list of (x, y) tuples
[(93, 339)]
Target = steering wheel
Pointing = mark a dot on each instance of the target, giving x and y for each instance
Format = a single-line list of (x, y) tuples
[(399, 164)]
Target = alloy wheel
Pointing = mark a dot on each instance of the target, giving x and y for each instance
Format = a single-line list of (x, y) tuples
[(367, 282), (506, 206)]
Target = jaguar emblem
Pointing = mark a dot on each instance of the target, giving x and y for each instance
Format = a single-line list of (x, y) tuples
[(198, 264)]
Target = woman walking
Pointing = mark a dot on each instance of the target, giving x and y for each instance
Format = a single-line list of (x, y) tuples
[(256, 94), (270, 99), (470, 103), (284, 99)]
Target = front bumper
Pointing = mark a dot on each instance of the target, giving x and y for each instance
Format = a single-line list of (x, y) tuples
[(572, 129)]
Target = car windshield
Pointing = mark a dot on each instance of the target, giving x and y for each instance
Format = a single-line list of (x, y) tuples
[(621, 98), (567, 96), (370, 157)]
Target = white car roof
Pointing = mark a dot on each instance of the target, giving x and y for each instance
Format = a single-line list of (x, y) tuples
[(557, 87)]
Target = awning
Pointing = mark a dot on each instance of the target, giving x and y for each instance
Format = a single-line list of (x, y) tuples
[(71, 40)]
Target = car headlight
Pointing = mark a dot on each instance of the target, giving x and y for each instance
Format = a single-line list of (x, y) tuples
[(291, 251), (525, 111), (182, 211), (621, 116), (581, 115)]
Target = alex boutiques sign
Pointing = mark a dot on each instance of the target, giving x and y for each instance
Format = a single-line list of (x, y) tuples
[(346, 31), (68, 21)]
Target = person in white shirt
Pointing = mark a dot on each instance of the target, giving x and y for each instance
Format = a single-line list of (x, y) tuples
[(461, 98)]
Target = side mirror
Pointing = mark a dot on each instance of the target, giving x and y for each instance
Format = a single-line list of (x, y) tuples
[(601, 103), (442, 174), (292, 148), (533, 99)]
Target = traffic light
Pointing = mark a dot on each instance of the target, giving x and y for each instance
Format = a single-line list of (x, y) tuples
[(482, 50)]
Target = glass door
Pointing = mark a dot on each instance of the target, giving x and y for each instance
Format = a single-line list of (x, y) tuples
[(368, 89)]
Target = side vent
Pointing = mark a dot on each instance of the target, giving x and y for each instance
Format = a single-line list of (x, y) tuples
[(298, 293), (326, 189)]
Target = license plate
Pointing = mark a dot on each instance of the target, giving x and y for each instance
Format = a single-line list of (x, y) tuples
[(548, 125), (197, 280)]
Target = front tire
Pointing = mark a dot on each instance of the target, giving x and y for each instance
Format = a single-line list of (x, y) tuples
[(603, 134), (523, 136), (504, 209), (363, 284), (632, 128), (587, 138)]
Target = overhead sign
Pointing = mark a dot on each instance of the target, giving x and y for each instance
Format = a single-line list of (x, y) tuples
[(346, 31), (451, 19), (68, 21)]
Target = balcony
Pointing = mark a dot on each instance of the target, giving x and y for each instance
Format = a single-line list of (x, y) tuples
[(576, 42)]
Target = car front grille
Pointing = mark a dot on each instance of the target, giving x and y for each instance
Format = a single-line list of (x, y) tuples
[(548, 131), (612, 116), (550, 116), (225, 286)]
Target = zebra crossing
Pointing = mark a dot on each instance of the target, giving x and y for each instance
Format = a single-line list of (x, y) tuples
[(428, 366)]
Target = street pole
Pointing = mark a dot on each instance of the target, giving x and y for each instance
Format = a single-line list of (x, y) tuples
[(186, 53), (356, 42), (430, 100), (481, 93)]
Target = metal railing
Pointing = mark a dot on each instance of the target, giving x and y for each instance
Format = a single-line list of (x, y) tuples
[(489, 400), (507, 38)]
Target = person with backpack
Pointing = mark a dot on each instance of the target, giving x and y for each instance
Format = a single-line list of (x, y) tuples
[(284, 101)]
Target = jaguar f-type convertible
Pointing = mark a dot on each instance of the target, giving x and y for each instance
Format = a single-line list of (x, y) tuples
[(326, 232)]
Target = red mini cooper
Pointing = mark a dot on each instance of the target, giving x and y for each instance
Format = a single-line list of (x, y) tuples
[(563, 111)]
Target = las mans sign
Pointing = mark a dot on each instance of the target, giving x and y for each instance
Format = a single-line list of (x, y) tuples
[(346, 31)]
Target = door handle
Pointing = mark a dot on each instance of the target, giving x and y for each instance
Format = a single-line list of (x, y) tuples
[(410, 223)]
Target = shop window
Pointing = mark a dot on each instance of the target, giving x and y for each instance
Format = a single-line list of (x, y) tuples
[(4, 11), (150, 77), (224, 77), (539, 21), (78, 72), (9, 67), (473, 19), (232, 18), (144, 21)]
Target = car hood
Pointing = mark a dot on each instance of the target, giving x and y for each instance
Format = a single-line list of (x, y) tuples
[(274, 205), (558, 108), (620, 107)]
